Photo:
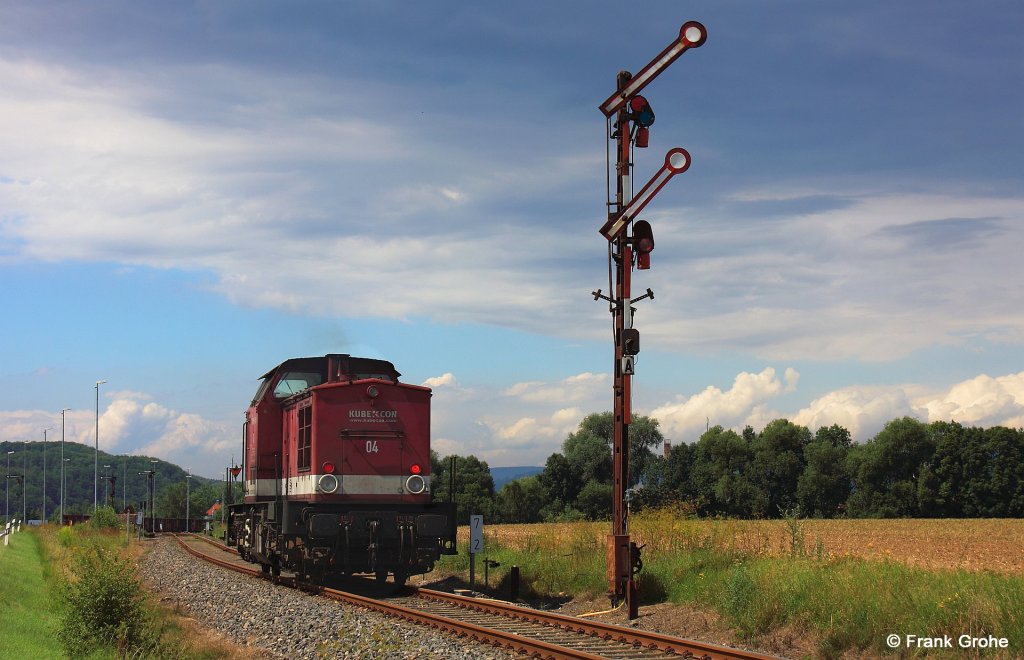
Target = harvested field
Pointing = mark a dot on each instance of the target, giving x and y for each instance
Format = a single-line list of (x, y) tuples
[(971, 544)]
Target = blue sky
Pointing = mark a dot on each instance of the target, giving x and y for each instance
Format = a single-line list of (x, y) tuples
[(191, 193)]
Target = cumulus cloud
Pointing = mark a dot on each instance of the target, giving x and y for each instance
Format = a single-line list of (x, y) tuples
[(743, 403), (568, 390), (863, 411), (444, 380), (521, 424), (983, 400), (133, 423)]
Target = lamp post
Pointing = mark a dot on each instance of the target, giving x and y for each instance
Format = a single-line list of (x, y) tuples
[(62, 461), (63, 484), (7, 489), (24, 483), (188, 509), (96, 468), (153, 507), (44, 473)]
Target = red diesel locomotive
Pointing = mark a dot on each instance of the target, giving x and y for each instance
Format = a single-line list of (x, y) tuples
[(337, 473)]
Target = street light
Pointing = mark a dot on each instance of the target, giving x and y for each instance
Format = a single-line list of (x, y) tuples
[(44, 473), (62, 462), (96, 469), (7, 488), (63, 484), (154, 462), (188, 510), (24, 482)]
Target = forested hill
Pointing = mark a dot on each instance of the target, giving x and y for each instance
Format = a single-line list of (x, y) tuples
[(80, 465), (503, 475)]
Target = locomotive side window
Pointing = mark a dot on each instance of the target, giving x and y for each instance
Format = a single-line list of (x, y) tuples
[(296, 381), (261, 391), (305, 436)]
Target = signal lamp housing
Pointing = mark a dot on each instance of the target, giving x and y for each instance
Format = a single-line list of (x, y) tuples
[(643, 243), (640, 111)]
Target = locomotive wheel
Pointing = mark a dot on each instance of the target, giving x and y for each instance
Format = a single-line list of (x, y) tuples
[(265, 568), (381, 576), (275, 568), (400, 578)]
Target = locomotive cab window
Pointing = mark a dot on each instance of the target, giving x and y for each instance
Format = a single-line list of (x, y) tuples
[(293, 382), (305, 437)]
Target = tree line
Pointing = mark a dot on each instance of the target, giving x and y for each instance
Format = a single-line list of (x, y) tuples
[(909, 469)]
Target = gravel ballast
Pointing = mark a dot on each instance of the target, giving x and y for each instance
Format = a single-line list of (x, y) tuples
[(288, 623)]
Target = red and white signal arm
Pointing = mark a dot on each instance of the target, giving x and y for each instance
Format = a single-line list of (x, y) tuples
[(677, 161), (691, 35), (476, 534)]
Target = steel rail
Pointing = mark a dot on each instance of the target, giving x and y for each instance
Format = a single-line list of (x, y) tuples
[(535, 648), (606, 631)]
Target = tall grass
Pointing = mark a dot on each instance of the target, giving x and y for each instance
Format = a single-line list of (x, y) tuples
[(102, 610), (28, 617), (761, 583)]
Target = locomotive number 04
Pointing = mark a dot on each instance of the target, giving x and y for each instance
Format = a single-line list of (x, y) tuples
[(371, 447)]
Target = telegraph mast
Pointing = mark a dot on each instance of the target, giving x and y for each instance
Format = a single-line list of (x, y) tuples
[(629, 117)]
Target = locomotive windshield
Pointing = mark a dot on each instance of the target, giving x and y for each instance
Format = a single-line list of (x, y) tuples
[(299, 374), (296, 381)]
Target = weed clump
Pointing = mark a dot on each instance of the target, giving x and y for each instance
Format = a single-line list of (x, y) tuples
[(103, 607), (105, 518)]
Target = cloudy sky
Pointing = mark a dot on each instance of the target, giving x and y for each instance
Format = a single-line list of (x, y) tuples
[(192, 193)]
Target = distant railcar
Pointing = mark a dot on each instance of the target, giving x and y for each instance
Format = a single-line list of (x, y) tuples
[(336, 468)]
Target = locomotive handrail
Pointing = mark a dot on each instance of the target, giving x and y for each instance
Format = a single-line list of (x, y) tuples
[(371, 433)]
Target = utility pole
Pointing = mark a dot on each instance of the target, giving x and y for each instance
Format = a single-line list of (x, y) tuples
[(629, 117), (96, 460), (188, 502), (62, 461), (44, 473)]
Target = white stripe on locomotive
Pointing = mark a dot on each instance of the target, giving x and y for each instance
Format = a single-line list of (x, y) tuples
[(348, 484)]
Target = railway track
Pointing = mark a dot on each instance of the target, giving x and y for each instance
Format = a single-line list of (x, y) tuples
[(535, 633)]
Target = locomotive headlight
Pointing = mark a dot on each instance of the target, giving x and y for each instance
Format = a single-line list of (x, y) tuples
[(372, 391), (328, 467), (415, 484), (415, 468), (327, 483)]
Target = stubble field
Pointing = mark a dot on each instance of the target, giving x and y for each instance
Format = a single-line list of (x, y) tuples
[(970, 544), (796, 588)]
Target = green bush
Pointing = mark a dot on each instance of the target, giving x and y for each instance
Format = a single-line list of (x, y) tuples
[(103, 607), (105, 518)]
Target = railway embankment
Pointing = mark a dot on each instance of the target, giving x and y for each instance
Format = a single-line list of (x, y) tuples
[(284, 622)]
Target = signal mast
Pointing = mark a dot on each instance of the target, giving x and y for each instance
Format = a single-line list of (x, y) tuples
[(629, 118)]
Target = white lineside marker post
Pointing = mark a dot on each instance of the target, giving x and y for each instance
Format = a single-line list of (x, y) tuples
[(476, 545)]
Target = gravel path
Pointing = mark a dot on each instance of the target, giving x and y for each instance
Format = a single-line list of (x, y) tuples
[(287, 623)]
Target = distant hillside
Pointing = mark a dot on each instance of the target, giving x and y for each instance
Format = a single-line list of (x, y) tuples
[(80, 469), (503, 475)]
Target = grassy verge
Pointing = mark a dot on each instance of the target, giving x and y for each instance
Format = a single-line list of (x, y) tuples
[(847, 604), (101, 609), (28, 618)]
